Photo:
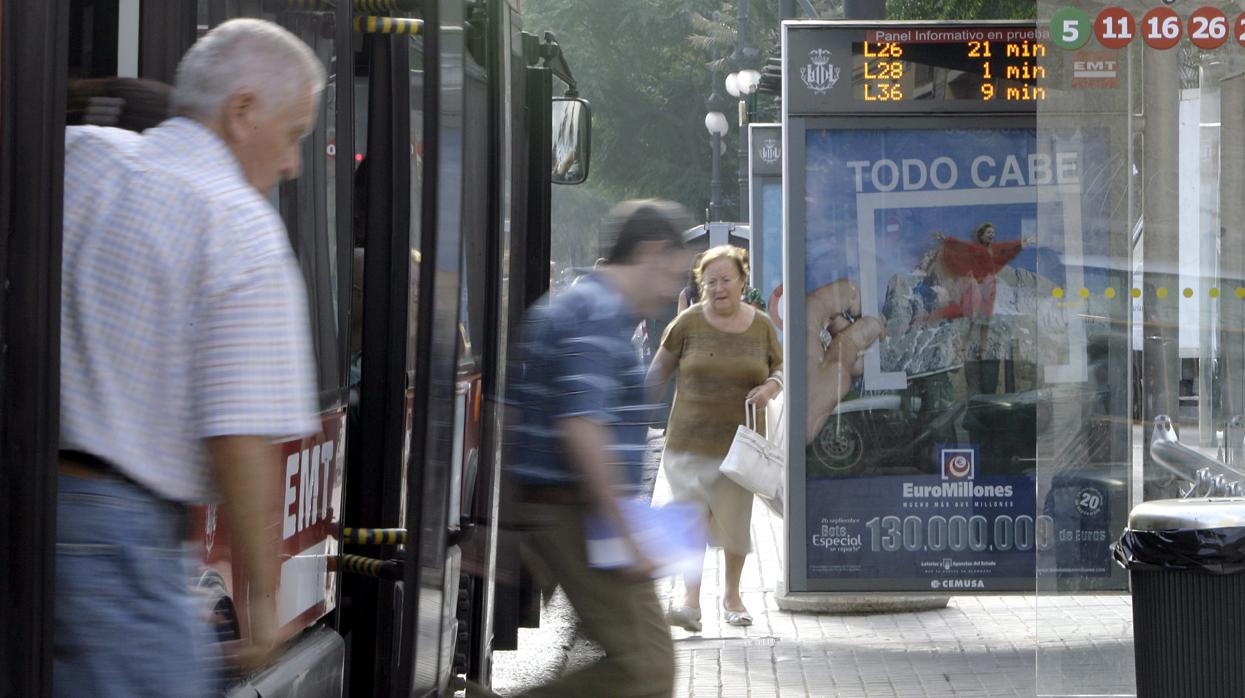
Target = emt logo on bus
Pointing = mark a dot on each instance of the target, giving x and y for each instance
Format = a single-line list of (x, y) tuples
[(307, 487)]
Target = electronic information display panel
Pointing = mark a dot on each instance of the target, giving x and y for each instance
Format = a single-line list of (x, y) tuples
[(928, 326), (918, 67)]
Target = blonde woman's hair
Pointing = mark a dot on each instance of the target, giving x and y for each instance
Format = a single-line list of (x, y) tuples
[(738, 255)]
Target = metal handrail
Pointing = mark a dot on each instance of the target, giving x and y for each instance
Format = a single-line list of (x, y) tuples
[(1207, 477)]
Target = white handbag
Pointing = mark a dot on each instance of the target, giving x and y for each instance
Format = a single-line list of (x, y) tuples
[(776, 433), (754, 462)]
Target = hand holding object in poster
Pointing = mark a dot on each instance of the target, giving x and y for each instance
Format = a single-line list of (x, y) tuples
[(836, 339)]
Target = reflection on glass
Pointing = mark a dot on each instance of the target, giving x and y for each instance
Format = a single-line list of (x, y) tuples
[(1140, 421), (570, 141)]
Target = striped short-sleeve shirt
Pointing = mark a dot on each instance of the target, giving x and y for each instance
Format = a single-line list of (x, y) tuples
[(575, 358), (184, 314)]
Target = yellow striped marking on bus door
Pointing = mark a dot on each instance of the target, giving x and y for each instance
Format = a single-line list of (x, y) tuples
[(374, 536), (375, 5), (373, 24)]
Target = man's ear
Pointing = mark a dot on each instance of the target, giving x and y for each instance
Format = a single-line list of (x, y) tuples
[(238, 114)]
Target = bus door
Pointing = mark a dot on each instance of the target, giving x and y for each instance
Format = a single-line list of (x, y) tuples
[(32, 84), (488, 199), (532, 67), (435, 570), (412, 407)]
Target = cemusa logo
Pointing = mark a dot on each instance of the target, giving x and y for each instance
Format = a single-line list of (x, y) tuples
[(956, 584), (958, 463)]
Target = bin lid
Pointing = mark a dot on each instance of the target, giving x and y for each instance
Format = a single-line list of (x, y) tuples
[(1201, 513)]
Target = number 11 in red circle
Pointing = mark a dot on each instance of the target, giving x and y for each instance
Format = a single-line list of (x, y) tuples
[(1115, 27)]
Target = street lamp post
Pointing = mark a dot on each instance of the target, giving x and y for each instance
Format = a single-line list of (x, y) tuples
[(742, 85), (717, 126)]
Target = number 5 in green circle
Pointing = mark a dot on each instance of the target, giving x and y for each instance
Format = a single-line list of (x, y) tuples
[(1070, 28)]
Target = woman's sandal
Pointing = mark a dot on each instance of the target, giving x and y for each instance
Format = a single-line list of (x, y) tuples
[(737, 618), (685, 617)]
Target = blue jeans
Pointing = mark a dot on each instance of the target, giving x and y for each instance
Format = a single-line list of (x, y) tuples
[(126, 620)]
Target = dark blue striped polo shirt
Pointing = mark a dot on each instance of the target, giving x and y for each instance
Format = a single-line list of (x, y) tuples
[(574, 358)]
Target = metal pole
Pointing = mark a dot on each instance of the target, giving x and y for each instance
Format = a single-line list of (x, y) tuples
[(1209, 225), (715, 103), (1232, 245), (864, 9), (715, 181), (743, 39), (743, 161), (1160, 353), (743, 33)]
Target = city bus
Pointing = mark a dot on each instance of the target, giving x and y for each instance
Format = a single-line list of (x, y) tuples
[(421, 224)]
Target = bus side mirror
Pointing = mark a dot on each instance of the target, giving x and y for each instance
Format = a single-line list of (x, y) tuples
[(572, 140)]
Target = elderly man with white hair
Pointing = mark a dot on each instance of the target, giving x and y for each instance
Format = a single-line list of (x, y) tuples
[(185, 352)]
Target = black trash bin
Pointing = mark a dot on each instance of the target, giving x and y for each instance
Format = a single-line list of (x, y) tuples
[(1186, 563)]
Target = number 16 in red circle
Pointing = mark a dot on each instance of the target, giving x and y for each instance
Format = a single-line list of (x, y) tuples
[(1161, 28)]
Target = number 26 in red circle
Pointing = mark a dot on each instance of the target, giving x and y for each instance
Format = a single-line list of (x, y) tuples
[(1208, 28)]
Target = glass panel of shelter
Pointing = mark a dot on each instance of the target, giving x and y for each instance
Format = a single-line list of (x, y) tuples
[(1159, 315)]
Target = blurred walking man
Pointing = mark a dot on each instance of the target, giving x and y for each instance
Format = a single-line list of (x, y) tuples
[(580, 439), (185, 352)]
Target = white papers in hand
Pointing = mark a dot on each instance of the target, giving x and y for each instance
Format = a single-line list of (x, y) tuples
[(673, 537)]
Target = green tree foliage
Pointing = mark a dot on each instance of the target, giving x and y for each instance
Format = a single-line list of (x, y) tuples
[(961, 9), (646, 66), (647, 84)]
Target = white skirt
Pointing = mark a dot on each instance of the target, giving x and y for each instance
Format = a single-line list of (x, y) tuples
[(696, 478)]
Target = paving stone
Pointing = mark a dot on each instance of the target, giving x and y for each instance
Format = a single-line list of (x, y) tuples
[(987, 646)]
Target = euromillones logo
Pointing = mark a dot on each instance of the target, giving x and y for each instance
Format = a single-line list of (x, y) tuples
[(820, 75), (958, 468), (771, 151), (958, 463)]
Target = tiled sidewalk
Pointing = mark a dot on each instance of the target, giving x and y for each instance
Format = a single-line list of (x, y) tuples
[(985, 646)]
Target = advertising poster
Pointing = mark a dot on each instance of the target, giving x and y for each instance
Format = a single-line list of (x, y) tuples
[(769, 280), (933, 326), (766, 170)]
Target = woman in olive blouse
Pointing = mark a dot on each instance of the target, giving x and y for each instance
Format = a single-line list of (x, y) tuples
[(726, 353)]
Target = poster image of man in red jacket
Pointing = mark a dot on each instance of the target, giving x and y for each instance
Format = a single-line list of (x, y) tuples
[(974, 263), (969, 269)]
